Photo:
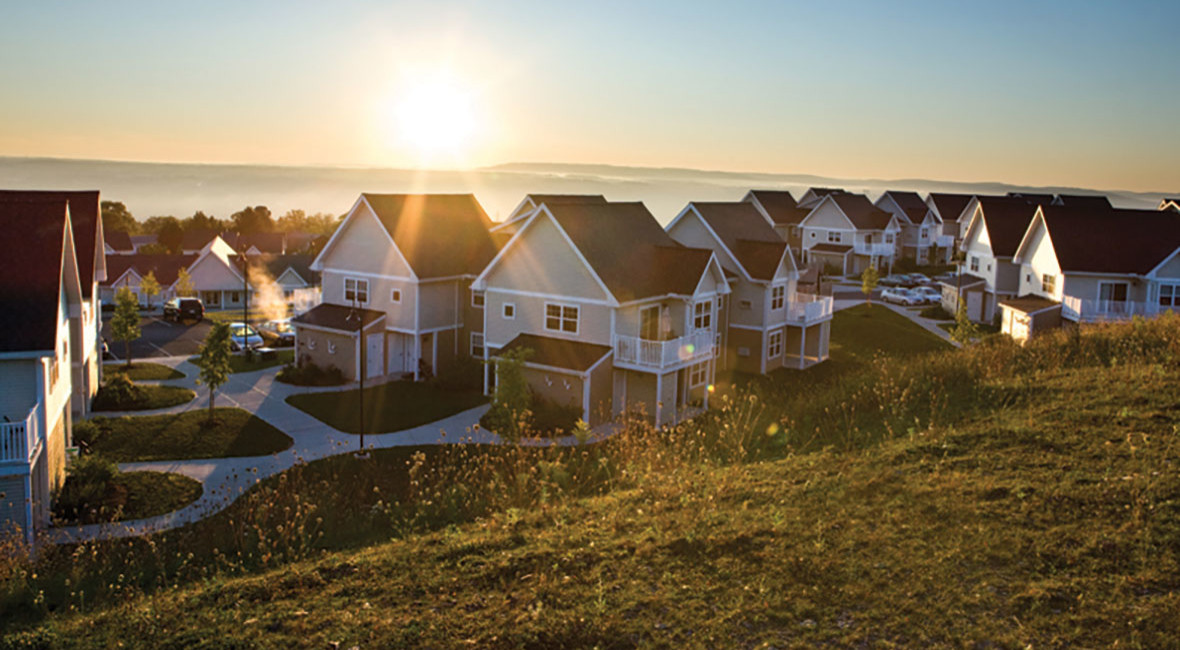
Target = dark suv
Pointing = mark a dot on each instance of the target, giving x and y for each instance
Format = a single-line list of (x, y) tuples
[(179, 309)]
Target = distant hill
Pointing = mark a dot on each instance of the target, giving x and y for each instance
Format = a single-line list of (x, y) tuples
[(180, 189)]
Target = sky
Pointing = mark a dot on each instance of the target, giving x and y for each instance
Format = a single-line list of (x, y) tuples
[(1059, 92)]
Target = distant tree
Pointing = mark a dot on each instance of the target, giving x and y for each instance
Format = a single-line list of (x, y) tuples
[(292, 221), (184, 283), (116, 218), (154, 248), (171, 235), (150, 287), (964, 331), (125, 322), (202, 221), (252, 220), (868, 282), (153, 225), (214, 360)]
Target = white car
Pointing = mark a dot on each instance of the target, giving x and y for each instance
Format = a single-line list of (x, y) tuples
[(928, 295), (243, 337), (899, 296), (281, 328)]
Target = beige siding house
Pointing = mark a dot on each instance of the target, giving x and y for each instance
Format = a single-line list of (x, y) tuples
[(847, 233), (952, 213), (618, 316), (783, 214), (993, 234), (396, 282), (922, 239), (767, 323)]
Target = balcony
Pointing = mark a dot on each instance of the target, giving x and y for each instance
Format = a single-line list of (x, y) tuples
[(806, 308), (944, 241), (659, 355), (20, 441), (880, 249), (1088, 311)]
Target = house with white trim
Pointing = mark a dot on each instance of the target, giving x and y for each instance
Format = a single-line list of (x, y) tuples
[(1085, 265), (814, 195), (529, 204), (783, 214), (952, 211), (396, 279), (40, 280), (846, 232), (618, 316), (922, 239), (993, 234), (767, 323)]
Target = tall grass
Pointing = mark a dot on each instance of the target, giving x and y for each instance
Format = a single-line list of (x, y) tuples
[(345, 502)]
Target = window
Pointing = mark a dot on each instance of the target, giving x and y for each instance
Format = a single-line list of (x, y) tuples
[(888, 239), (813, 234), (356, 290), (477, 299), (745, 304), (974, 264), (778, 297), (395, 296), (1049, 284), (477, 345), (833, 237), (1028, 278), (1169, 295), (561, 318), (702, 315), (718, 303), (698, 374), (331, 347), (989, 267), (774, 345), (234, 296), (649, 323)]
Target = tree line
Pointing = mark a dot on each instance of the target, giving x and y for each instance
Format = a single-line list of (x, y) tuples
[(170, 231)]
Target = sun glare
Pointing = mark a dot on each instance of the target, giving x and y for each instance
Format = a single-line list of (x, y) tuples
[(436, 119)]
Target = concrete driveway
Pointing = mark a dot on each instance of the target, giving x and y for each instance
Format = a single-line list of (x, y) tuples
[(160, 338)]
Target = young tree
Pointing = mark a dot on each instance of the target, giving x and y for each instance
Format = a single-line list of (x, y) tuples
[(512, 397), (125, 322), (964, 330), (214, 360), (184, 284), (150, 287), (868, 282)]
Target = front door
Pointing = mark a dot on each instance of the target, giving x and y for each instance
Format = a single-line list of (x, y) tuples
[(375, 357)]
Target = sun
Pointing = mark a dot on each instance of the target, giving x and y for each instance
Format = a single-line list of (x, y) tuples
[(436, 118)]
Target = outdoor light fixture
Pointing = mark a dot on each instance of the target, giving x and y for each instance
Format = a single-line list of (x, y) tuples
[(356, 314)]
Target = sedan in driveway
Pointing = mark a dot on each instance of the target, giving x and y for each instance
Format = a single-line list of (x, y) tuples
[(928, 295), (243, 337), (282, 332), (900, 296)]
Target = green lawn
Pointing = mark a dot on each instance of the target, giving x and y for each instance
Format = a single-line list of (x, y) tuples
[(138, 495), (148, 397), (984, 329), (142, 370), (233, 432), (389, 407), (240, 363)]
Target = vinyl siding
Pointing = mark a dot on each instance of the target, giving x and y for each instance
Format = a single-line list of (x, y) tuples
[(593, 321), (543, 262), (18, 387), (364, 245)]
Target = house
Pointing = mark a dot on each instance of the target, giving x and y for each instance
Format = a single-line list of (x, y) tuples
[(504, 230), (993, 234), (281, 283), (765, 323), (814, 195), (620, 317), (130, 270), (40, 281), (117, 242), (86, 323), (139, 241), (1080, 265), (259, 243), (779, 208), (1170, 204), (921, 239), (952, 211), (398, 270), (847, 233)]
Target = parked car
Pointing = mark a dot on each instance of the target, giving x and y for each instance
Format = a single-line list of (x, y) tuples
[(895, 280), (900, 296), (179, 309), (928, 295), (243, 337), (282, 330), (916, 280)]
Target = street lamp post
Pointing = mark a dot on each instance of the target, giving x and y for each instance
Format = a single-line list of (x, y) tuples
[(355, 314)]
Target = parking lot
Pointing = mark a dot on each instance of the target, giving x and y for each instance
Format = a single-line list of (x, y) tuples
[(160, 338)]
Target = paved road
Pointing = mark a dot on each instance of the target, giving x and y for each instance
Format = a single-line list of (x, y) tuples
[(160, 338)]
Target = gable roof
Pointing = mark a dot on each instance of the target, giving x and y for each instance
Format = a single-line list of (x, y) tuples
[(1032, 197), (85, 222), (266, 242), (578, 356), (531, 202), (1091, 201), (1169, 204), (910, 203), (860, 211), (1006, 220), (276, 265), (758, 249), (165, 267), (31, 273), (144, 240), (440, 235), (1111, 241), (118, 240), (629, 251), (338, 317), (949, 206), (778, 205), (195, 240)]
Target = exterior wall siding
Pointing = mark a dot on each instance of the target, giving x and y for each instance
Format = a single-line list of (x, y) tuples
[(543, 262), (314, 347), (593, 322), (364, 246)]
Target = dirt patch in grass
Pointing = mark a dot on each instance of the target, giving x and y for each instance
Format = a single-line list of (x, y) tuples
[(232, 432)]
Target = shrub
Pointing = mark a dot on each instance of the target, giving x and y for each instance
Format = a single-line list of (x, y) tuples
[(936, 312), (309, 374), (550, 418), (464, 373), (118, 392), (89, 493)]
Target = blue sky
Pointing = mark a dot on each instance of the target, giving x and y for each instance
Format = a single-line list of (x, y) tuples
[(1030, 92)]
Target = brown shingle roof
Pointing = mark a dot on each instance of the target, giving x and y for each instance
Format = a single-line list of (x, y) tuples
[(85, 218), (118, 240), (1030, 303), (1111, 241), (336, 317), (440, 235), (558, 353), (831, 248), (628, 249), (1006, 219), (747, 235), (1090, 201), (861, 212), (30, 274), (780, 206), (949, 206), (165, 267), (1044, 199), (196, 239), (910, 203)]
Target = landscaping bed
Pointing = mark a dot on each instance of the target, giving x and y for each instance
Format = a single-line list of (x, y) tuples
[(232, 432), (142, 371), (241, 363), (388, 407), (90, 497), (120, 394), (310, 374)]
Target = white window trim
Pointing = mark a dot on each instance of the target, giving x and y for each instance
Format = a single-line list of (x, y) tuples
[(482, 299), (395, 296), (310, 343), (356, 290), (331, 347), (705, 315), (561, 319), (505, 308), (698, 375), (773, 340), (778, 296), (745, 304), (480, 336)]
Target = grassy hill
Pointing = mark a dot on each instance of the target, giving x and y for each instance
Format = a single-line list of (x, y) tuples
[(992, 497)]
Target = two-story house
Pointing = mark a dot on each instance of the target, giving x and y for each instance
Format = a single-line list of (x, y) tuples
[(619, 317), (952, 212), (996, 228), (921, 238), (40, 281), (1083, 265), (767, 323), (782, 213), (396, 287), (130, 270), (814, 195), (847, 233), (504, 230)]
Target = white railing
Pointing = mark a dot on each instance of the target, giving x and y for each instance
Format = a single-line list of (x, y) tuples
[(808, 308), (19, 440), (874, 248), (1098, 310), (663, 354), (944, 241)]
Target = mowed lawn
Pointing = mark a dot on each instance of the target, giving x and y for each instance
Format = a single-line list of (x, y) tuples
[(232, 432), (388, 407), (142, 371)]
